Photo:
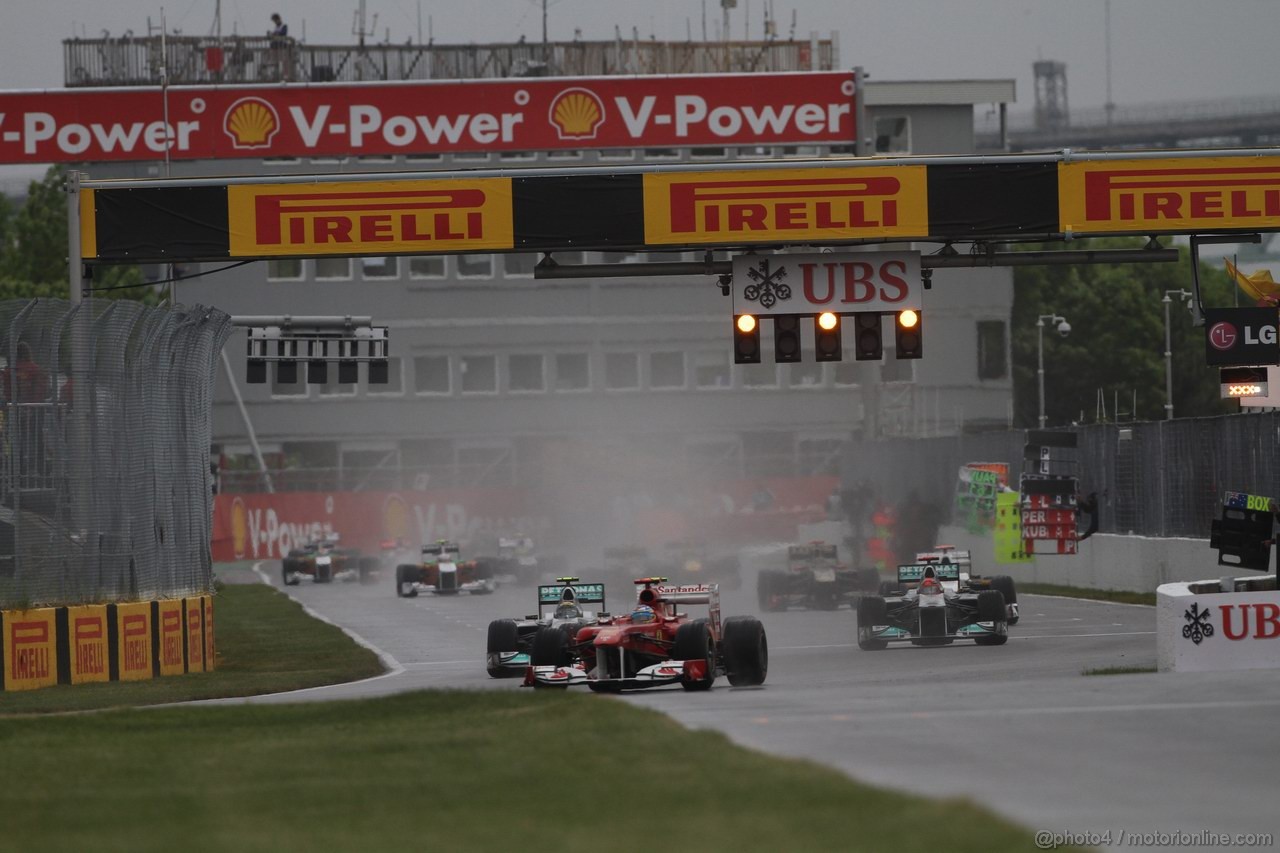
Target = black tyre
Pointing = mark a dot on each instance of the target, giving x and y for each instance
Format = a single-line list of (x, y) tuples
[(289, 572), (867, 580), (871, 611), (406, 577), (503, 636), (764, 589), (991, 609), (693, 642), (550, 648), (324, 573), (888, 588), (1004, 584), (746, 651)]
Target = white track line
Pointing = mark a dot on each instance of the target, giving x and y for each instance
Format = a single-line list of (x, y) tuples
[(393, 666)]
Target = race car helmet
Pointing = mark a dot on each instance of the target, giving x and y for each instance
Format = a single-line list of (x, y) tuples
[(643, 613), (930, 586), (568, 610)]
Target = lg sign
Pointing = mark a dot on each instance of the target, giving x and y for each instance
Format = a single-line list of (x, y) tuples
[(1241, 337), (1223, 336)]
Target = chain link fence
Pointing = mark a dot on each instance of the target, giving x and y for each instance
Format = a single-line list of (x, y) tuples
[(1162, 478), (105, 486)]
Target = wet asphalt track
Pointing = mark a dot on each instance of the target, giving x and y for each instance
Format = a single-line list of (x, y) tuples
[(1017, 727)]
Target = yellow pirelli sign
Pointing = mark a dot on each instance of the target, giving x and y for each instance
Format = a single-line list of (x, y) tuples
[(1169, 194), (370, 217), (30, 648), (786, 204)]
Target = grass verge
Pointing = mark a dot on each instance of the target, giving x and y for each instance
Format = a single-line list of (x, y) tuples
[(1118, 596), (1118, 670), (445, 770), (266, 644)]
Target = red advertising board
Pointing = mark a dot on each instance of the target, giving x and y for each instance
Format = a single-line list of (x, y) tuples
[(409, 117), (267, 526)]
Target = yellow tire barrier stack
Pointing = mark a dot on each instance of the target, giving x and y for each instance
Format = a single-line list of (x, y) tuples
[(106, 642)]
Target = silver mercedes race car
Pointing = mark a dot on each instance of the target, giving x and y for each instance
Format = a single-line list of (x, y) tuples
[(933, 610), (970, 581), (511, 640)]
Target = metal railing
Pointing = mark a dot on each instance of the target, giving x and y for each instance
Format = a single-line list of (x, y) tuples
[(199, 60), (104, 450), (1160, 478)]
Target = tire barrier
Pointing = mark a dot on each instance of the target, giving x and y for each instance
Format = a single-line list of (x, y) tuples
[(89, 643)]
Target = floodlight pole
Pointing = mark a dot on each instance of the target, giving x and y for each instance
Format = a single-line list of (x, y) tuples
[(1052, 318), (1168, 351)]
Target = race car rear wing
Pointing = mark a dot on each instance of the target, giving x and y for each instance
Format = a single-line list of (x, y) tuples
[(583, 593), (915, 573), (949, 555)]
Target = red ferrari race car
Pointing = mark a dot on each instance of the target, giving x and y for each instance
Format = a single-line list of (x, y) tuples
[(653, 645)]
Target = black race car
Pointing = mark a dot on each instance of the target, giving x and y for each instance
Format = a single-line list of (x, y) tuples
[(512, 641), (928, 613), (814, 578)]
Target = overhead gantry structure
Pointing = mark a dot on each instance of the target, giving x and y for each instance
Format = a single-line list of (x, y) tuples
[(971, 207)]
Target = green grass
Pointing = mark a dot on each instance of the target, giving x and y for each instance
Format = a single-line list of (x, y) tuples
[(266, 643), (1118, 596), (1118, 670), (445, 771)]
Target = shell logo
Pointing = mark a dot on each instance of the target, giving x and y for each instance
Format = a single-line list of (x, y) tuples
[(239, 528), (576, 114), (395, 518), (251, 123)]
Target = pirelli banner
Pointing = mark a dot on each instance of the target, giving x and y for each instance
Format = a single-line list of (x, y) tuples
[(828, 202), (105, 642)]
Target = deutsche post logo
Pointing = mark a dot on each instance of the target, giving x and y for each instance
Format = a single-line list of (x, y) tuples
[(370, 218), (239, 528), (251, 123), (770, 205), (576, 114), (1169, 194)]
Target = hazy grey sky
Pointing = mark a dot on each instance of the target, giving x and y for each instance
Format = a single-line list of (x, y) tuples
[(1161, 49)]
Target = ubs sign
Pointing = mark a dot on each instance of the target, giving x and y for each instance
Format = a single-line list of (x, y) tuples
[(1241, 336), (842, 283)]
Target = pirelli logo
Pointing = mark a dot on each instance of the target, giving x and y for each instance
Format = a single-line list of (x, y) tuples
[(767, 205), (370, 218), (1169, 194)]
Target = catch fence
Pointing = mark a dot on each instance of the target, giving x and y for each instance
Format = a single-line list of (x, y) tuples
[(1161, 478), (104, 439)]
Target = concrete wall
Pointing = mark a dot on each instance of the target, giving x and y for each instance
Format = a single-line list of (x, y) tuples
[(1105, 561)]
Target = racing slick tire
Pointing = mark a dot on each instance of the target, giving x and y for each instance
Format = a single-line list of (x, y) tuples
[(1004, 584), (871, 611), (289, 572), (991, 609), (406, 576), (746, 651), (867, 580), (550, 647), (888, 588), (503, 637), (693, 642), (769, 590)]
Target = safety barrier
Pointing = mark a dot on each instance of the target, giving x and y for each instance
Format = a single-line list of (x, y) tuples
[(87, 643)]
